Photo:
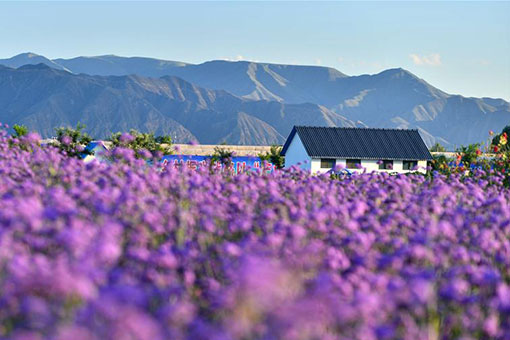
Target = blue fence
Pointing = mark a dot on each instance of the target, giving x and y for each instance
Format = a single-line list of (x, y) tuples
[(239, 164)]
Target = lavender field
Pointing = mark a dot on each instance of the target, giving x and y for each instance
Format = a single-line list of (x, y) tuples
[(127, 251)]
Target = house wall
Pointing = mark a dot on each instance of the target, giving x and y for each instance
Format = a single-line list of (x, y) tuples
[(422, 166), (368, 165), (296, 153), (316, 166)]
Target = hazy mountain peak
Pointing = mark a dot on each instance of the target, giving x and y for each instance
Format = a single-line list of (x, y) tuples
[(27, 55), (30, 58), (397, 72)]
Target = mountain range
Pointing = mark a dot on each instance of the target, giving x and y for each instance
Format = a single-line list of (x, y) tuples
[(235, 102)]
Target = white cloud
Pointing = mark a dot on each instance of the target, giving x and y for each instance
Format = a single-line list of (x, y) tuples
[(433, 59)]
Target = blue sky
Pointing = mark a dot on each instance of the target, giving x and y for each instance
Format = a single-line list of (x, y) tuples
[(460, 47)]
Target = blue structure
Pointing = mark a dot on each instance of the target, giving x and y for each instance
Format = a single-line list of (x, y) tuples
[(239, 164), (95, 151)]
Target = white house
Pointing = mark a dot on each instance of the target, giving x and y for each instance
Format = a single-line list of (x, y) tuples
[(320, 149)]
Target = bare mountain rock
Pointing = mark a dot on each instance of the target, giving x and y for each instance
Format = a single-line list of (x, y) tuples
[(44, 98), (279, 95)]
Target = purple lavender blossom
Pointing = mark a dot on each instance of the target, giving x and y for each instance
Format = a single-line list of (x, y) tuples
[(124, 250)]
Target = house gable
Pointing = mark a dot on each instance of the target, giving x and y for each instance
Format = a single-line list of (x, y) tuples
[(295, 153)]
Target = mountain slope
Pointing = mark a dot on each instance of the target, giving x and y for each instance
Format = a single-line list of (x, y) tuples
[(289, 83), (44, 98), (393, 98), (110, 65), (30, 58)]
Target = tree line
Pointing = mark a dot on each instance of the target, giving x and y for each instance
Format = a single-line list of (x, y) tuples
[(73, 142)]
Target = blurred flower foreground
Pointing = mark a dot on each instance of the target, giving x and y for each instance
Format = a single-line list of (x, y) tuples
[(128, 251)]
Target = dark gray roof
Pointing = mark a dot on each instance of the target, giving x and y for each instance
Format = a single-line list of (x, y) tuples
[(362, 143)]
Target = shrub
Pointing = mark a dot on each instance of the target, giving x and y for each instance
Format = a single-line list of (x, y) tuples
[(468, 154), (495, 140), (222, 156), (273, 156), (145, 145), (72, 142), (20, 130), (441, 163)]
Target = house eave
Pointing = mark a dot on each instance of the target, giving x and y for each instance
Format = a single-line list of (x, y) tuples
[(371, 158)]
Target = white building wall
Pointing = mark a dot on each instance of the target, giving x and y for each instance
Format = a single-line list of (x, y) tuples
[(422, 166), (296, 153), (316, 166), (398, 166), (367, 165)]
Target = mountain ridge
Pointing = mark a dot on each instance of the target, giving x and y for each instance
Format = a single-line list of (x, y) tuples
[(393, 98), (43, 98)]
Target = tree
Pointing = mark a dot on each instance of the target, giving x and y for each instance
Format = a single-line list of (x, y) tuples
[(222, 155), (440, 163), (273, 156), (142, 143), (469, 154), (437, 148), (73, 141), (20, 130), (495, 140), (166, 139)]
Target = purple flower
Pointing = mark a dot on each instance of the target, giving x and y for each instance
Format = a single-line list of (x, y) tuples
[(66, 140), (126, 138), (124, 248)]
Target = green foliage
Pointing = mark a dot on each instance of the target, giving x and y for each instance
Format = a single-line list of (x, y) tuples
[(495, 140), (440, 163), (437, 148), (22, 139), (222, 155), (142, 143), (164, 139), (73, 141), (273, 156), (470, 160), (20, 130), (469, 154)]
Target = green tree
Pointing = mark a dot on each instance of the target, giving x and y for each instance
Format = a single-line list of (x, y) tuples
[(273, 156), (495, 140), (469, 154), (166, 139), (222, 155), (20, 130), (440, 163), (73, 141), (437, 148), (142, 143)]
